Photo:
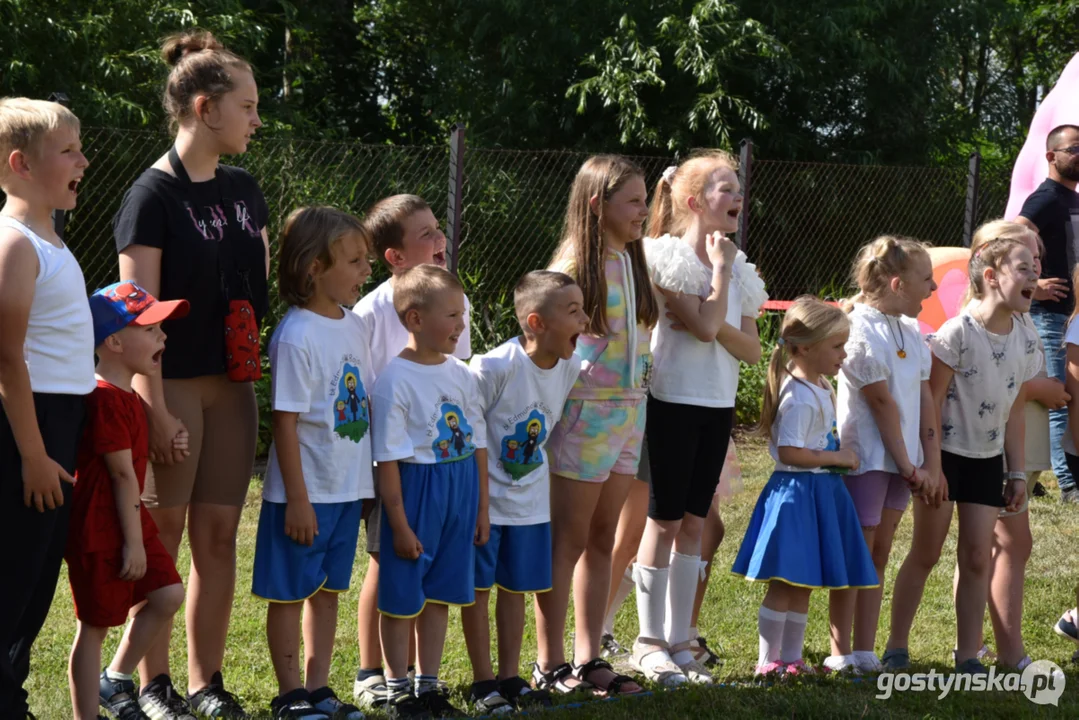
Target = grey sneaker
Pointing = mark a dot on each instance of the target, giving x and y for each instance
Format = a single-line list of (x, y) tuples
[(370, 692), (973, 666), (895, 659), (1069, 496), (160, 701)]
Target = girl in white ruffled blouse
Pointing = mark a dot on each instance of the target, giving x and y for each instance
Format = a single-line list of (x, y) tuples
[(885, 415), (707, 287)]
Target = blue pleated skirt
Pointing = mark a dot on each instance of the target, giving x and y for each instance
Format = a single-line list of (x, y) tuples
[(805, 532)]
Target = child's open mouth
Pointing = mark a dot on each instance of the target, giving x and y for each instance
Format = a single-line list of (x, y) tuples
[(157, 356), (1028, 293), (440, 258), (734, 213), (73, 186), (454, 338)]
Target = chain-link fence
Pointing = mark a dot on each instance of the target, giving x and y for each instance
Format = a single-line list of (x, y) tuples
[(803, 224)]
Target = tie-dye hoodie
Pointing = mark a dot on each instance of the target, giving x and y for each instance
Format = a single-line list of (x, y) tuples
[(616, 366)]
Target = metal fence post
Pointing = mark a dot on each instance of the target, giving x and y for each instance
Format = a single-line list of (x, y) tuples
[(59, 217), (970, 216), (457, 190), (745, 175)]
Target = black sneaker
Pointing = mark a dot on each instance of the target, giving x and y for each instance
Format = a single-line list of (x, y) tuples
[(119, 698), (611, 649), (438, 704), (487, 699), (214, 701), (295, 705), (405, 706), (326, 701), (517, 690), (160, 701)]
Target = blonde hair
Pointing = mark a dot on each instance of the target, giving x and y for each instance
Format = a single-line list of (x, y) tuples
[(581, 253), (309, 234), (417, 287), (24, 123), (992, 254), (878, 262), (670, 212), (200, 66), (807, 322), (997, 230)]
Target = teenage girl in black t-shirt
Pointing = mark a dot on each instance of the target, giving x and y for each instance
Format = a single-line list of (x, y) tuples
[(192, 228)]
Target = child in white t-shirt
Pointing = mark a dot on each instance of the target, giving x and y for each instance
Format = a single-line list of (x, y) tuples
[(523, 385), (319, 470), (429, 442), (981, 360), (404, 233)]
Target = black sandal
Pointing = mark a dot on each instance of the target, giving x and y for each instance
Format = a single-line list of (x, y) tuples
[(555, 680), (614, 687)]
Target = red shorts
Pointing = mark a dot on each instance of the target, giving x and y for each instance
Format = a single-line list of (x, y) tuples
[(102, 599)]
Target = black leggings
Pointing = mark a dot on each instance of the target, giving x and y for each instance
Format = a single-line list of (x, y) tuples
[(687, 445), (32, 543)]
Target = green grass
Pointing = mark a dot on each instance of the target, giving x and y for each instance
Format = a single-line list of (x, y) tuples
[(729, 618)]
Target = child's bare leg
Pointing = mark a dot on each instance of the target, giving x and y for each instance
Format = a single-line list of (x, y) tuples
[(1012, 543), (711, 539), (319, 631), (170, 531), (510, 623), (367, 617), (572, 504), (394, 633), (431, 637), (592, 576), (477, 626), (930, 530), (867, 608), (976, 523), (627, 538), (841, 608), (151, 618), (83, 670), (283, 637)]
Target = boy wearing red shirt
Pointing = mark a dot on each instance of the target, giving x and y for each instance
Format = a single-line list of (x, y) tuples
[(115, 560)]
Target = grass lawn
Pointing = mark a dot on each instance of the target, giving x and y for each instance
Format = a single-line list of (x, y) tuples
[(729, 618)]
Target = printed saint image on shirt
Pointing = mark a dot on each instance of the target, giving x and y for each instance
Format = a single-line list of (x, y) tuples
[(521, 453), (454, 439), (351, 414)]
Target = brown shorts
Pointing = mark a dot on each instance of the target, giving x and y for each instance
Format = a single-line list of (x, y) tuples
[(222, 418)]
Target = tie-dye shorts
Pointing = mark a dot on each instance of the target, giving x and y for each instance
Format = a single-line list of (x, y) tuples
[(595, 438)]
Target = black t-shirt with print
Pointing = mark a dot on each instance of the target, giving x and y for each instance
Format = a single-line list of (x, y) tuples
[(1054, 208), (189, 223)]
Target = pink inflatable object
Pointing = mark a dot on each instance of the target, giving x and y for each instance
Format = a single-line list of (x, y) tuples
[(1060, 107)]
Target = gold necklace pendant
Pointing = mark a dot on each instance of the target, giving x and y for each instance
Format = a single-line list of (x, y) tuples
[(902, 354)]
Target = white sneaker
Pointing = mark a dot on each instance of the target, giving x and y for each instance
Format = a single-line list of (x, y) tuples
[(842, 664), (370, 693), (867, 661)]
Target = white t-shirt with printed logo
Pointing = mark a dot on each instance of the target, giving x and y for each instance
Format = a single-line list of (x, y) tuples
[(520, 402), (989, 370), (872, 357), (427, 414), (387, 336), (321, 370), (805, 418)]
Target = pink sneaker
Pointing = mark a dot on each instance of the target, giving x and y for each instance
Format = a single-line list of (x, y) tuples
[(798, 667), (769, 670)]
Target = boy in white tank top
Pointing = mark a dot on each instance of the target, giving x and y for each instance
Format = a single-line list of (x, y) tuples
[(46, 371)]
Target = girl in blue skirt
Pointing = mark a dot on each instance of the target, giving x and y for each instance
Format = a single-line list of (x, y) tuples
[(804, 533)]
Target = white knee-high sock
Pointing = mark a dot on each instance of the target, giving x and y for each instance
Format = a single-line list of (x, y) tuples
[(681, 591), (770, 625), (651, 599), (794, 635), (624, 589)]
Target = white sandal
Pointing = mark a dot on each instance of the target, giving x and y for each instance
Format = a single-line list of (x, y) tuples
[(664, 672), (694, 670)]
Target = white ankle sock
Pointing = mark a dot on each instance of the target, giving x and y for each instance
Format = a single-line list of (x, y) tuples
[(651, 599), (794, 635), (624, 589), (681, 591), (770, 629), (114, 676)]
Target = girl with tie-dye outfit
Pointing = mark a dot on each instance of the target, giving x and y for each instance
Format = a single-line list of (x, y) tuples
[(595, 448)]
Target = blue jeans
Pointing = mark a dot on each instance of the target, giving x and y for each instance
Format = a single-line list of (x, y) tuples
[(1050, 327)]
